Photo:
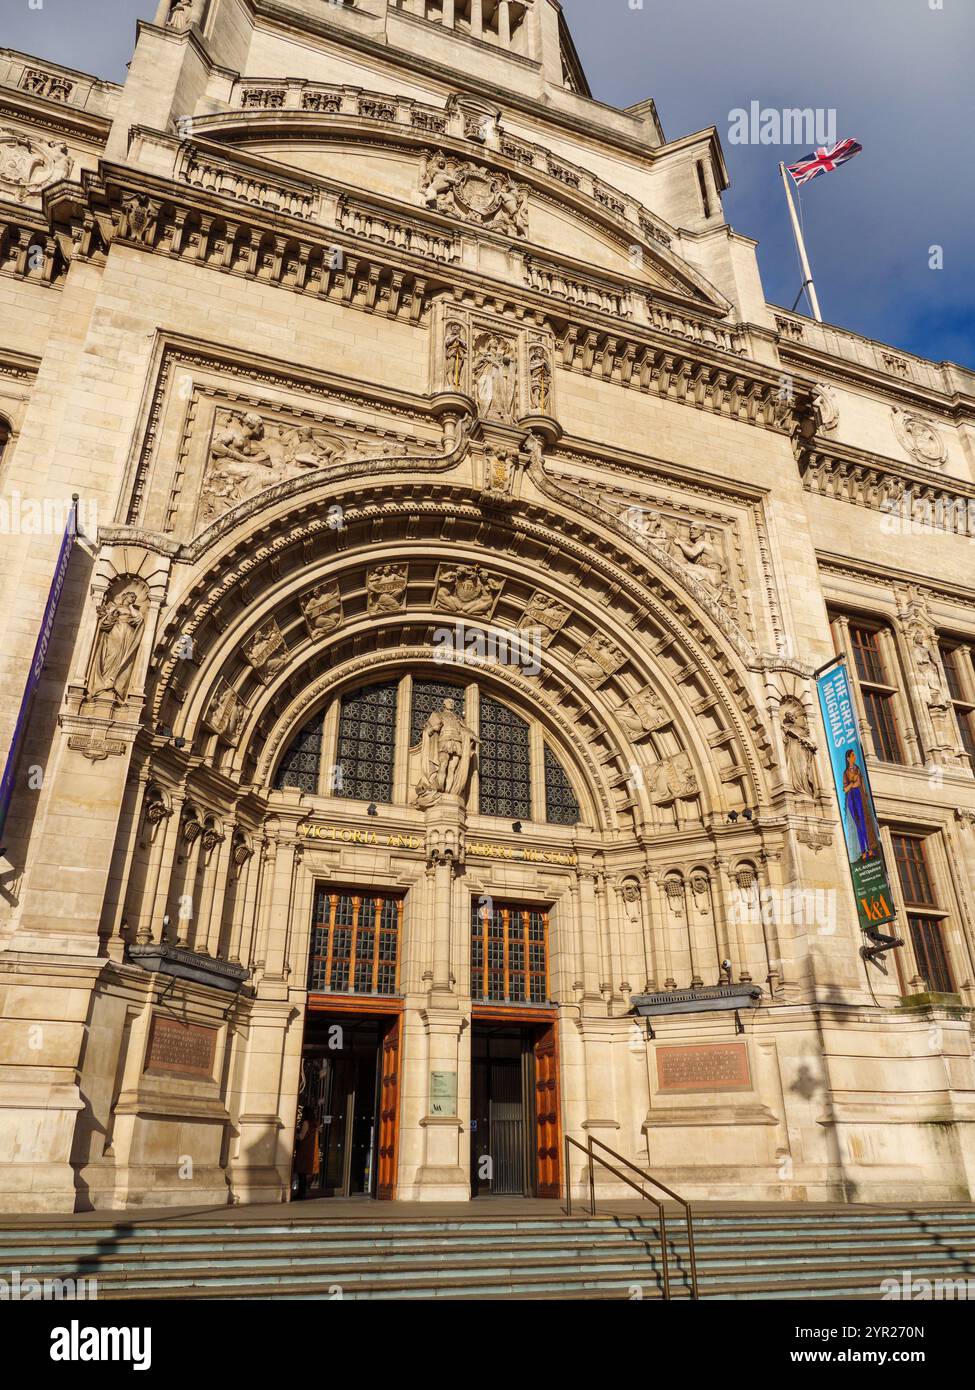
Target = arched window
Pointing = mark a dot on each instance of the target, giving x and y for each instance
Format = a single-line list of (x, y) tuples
[(366, 746), (504, 758), (359, 750), (4, 439)]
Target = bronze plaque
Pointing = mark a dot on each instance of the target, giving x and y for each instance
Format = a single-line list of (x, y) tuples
[(180, 1049), (709, 1067)]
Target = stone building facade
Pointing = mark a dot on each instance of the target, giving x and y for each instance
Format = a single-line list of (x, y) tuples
[(463, 532)]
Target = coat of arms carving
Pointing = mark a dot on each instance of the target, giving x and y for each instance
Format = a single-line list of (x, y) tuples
[(458, 188)]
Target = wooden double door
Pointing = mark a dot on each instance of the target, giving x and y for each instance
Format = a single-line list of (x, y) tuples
[(515, 1124), (346, 1141)]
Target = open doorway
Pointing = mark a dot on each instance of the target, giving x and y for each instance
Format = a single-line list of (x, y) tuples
[(515, 1125)]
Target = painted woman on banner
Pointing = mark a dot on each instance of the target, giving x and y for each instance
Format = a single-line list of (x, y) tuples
[(861, 830)]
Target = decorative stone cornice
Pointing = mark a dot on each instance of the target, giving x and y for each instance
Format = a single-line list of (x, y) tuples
[(909, 494)]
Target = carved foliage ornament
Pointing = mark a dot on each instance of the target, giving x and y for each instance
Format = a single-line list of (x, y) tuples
[(29, 165), (458, 188)]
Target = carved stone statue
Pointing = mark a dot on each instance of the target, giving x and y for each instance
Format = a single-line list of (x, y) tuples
[(545, 615), (386, 589), (305, 447), (702, 557), (121, 622), (181, 15), (800, 751), (540, 377), (642, 713), (446, 756), (598, 659), (468, 590), (455, 353), (226, 713), (495, 377), (267, 652), (322, 611)]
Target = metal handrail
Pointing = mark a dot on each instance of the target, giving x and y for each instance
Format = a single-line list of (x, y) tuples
[(594, 1158)]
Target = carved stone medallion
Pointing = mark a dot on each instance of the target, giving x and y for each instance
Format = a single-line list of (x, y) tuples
[(267, 652), (386, 589), (322, 610), (467, 590), (920, 439), (545, 615)]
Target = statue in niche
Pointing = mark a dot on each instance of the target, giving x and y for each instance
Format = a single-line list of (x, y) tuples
[(468, 590), (642, 713), (546, 616), (322, 611), (800, 751), (267, 652), (495, 377), (455, 353), (121, 622), (446, 757), (386, 589), (540, 378)]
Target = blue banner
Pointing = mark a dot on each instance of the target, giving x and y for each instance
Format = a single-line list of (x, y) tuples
[(37, 664), (861, 829)]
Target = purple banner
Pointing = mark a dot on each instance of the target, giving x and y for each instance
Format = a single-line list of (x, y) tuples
[(37, 665)]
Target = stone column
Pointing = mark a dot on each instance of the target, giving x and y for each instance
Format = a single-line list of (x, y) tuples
[(504, 23), (448, 13), (477, 19)]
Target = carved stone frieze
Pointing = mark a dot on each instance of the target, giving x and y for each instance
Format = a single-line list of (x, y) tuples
[(226, 713), (642, 714), (598, 659), (672, 779), (544, 615)]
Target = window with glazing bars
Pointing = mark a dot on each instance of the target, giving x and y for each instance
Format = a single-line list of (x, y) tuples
[(926, 925), (878, 697), (427, 697), (959, 673), (504, 761), (354, 943), (367, 738), (301, 763), (561, 805), (509, 954)]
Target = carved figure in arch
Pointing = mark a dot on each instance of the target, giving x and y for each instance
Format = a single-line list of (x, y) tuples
[(546, 616), (642, 713), (446, 757), (322, 611), (121, 622), (226, 714), (598, 659), (306, 447), (469, 590), (267, 652), (800, 750), (672, 778), (386, 589)]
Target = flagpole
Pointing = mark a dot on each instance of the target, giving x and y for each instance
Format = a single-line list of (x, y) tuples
[(807, 283)]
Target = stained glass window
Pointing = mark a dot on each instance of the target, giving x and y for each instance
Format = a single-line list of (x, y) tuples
[(367, 738), (429, 696), (300, 764), (505, 762), (561, 806)]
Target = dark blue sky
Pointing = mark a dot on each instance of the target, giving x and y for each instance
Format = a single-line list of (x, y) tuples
[(900, 75)]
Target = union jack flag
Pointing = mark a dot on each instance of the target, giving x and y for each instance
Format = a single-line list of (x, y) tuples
[(823, 161)]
